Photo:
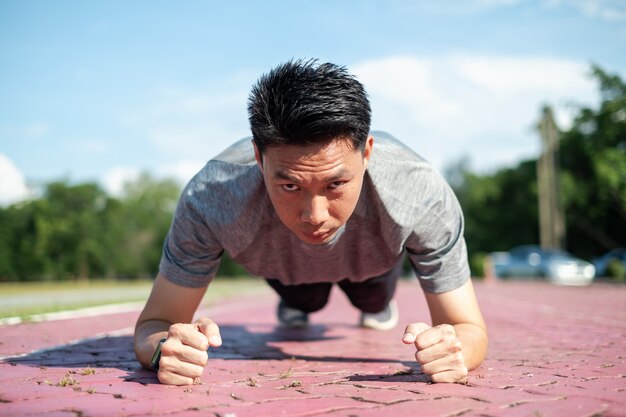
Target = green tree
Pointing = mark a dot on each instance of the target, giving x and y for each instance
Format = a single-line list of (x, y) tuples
[(139, 224), (501, 208), (593, 162), (56, 236)]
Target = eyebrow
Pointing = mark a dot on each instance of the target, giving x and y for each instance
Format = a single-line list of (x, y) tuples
[(283, 175)]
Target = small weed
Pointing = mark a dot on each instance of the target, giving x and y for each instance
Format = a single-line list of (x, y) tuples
[(286, 374), (294, 384), (88, 371), (404, 372), (118, 396), (91, 391), (252, 382), (67, 381)]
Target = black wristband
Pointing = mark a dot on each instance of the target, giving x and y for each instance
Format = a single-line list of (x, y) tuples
[(156, 357)]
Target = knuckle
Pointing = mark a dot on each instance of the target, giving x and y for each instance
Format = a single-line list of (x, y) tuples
[(166, 363), (457, 346), (421, 343), (441, 377), (176, 330), (458, 360), (204, 359), (163, 377), (196, 372), (203, 321), (449, 339), (427, 368), (447, 329), (203, 342), (167, 349)]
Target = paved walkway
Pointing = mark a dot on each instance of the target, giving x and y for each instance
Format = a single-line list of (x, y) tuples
[(554, 351)]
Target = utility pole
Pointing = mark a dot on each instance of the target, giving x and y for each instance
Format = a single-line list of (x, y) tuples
[(551, 219)]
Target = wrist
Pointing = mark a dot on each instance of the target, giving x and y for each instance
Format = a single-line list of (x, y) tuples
[(156, 356)]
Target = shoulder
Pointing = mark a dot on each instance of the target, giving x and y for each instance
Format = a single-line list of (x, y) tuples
[(234, 169), (395, 166), (408, 185), (225, 184), (387, 147)]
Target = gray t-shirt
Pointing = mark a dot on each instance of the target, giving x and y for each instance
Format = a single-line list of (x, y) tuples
[(404, 205)]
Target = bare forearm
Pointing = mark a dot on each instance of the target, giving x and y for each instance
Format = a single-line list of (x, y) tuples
[(473, 343), (147, 336)]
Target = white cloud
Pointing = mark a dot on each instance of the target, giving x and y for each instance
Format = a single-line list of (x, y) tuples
[(515, 75), (485, 107), (610, 10), (182, 171), (115, 178), (13, 187)]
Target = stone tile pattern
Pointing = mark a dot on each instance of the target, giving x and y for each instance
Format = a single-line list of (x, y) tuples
[(554, 351)]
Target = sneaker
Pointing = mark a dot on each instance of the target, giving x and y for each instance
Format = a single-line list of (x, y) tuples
[(291, 317), (384, 320)]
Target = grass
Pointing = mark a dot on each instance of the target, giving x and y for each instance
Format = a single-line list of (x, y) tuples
[(31, 298)]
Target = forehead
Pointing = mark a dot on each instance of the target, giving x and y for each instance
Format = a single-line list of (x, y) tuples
[(316, 157)]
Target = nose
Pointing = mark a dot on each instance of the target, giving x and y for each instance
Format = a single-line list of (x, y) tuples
[(315, 210)]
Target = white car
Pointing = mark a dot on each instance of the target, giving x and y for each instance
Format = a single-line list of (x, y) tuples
[(531, 261)]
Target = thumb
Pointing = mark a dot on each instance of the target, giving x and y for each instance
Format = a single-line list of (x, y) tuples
[(412, 330), (208, 328)]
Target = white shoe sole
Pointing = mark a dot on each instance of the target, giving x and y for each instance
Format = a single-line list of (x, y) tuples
[(372, 323)]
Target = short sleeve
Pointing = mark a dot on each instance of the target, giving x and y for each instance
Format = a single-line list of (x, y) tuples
[(191, 253), (436, 248)]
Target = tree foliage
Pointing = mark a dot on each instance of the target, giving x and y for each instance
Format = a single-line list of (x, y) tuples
[(593, 163), (70, 232), (501, 209), (78, 232)]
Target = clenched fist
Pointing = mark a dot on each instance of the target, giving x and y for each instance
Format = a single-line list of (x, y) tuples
[(439, 351), (184, 353)]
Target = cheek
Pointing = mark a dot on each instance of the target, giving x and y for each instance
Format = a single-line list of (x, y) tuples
[(286, 208), (343, 206)]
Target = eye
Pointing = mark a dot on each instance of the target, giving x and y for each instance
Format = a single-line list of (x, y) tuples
[(290, 187), (336, 184)]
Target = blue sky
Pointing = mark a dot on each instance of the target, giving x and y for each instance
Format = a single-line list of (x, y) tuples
[(100, 91)]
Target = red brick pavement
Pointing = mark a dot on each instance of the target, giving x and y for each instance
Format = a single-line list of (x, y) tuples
[(554, 351)]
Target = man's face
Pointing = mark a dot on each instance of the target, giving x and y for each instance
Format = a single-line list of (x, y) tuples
[(314, 188)]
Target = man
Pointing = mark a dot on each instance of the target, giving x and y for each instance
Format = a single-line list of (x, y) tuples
[(315, 199)]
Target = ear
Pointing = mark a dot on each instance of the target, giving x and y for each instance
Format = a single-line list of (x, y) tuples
[(367, 152), (258, 156)]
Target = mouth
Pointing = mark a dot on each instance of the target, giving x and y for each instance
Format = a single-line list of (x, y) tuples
[(318, 237)]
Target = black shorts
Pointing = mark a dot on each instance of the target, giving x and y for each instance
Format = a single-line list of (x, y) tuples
[(369, 296)]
